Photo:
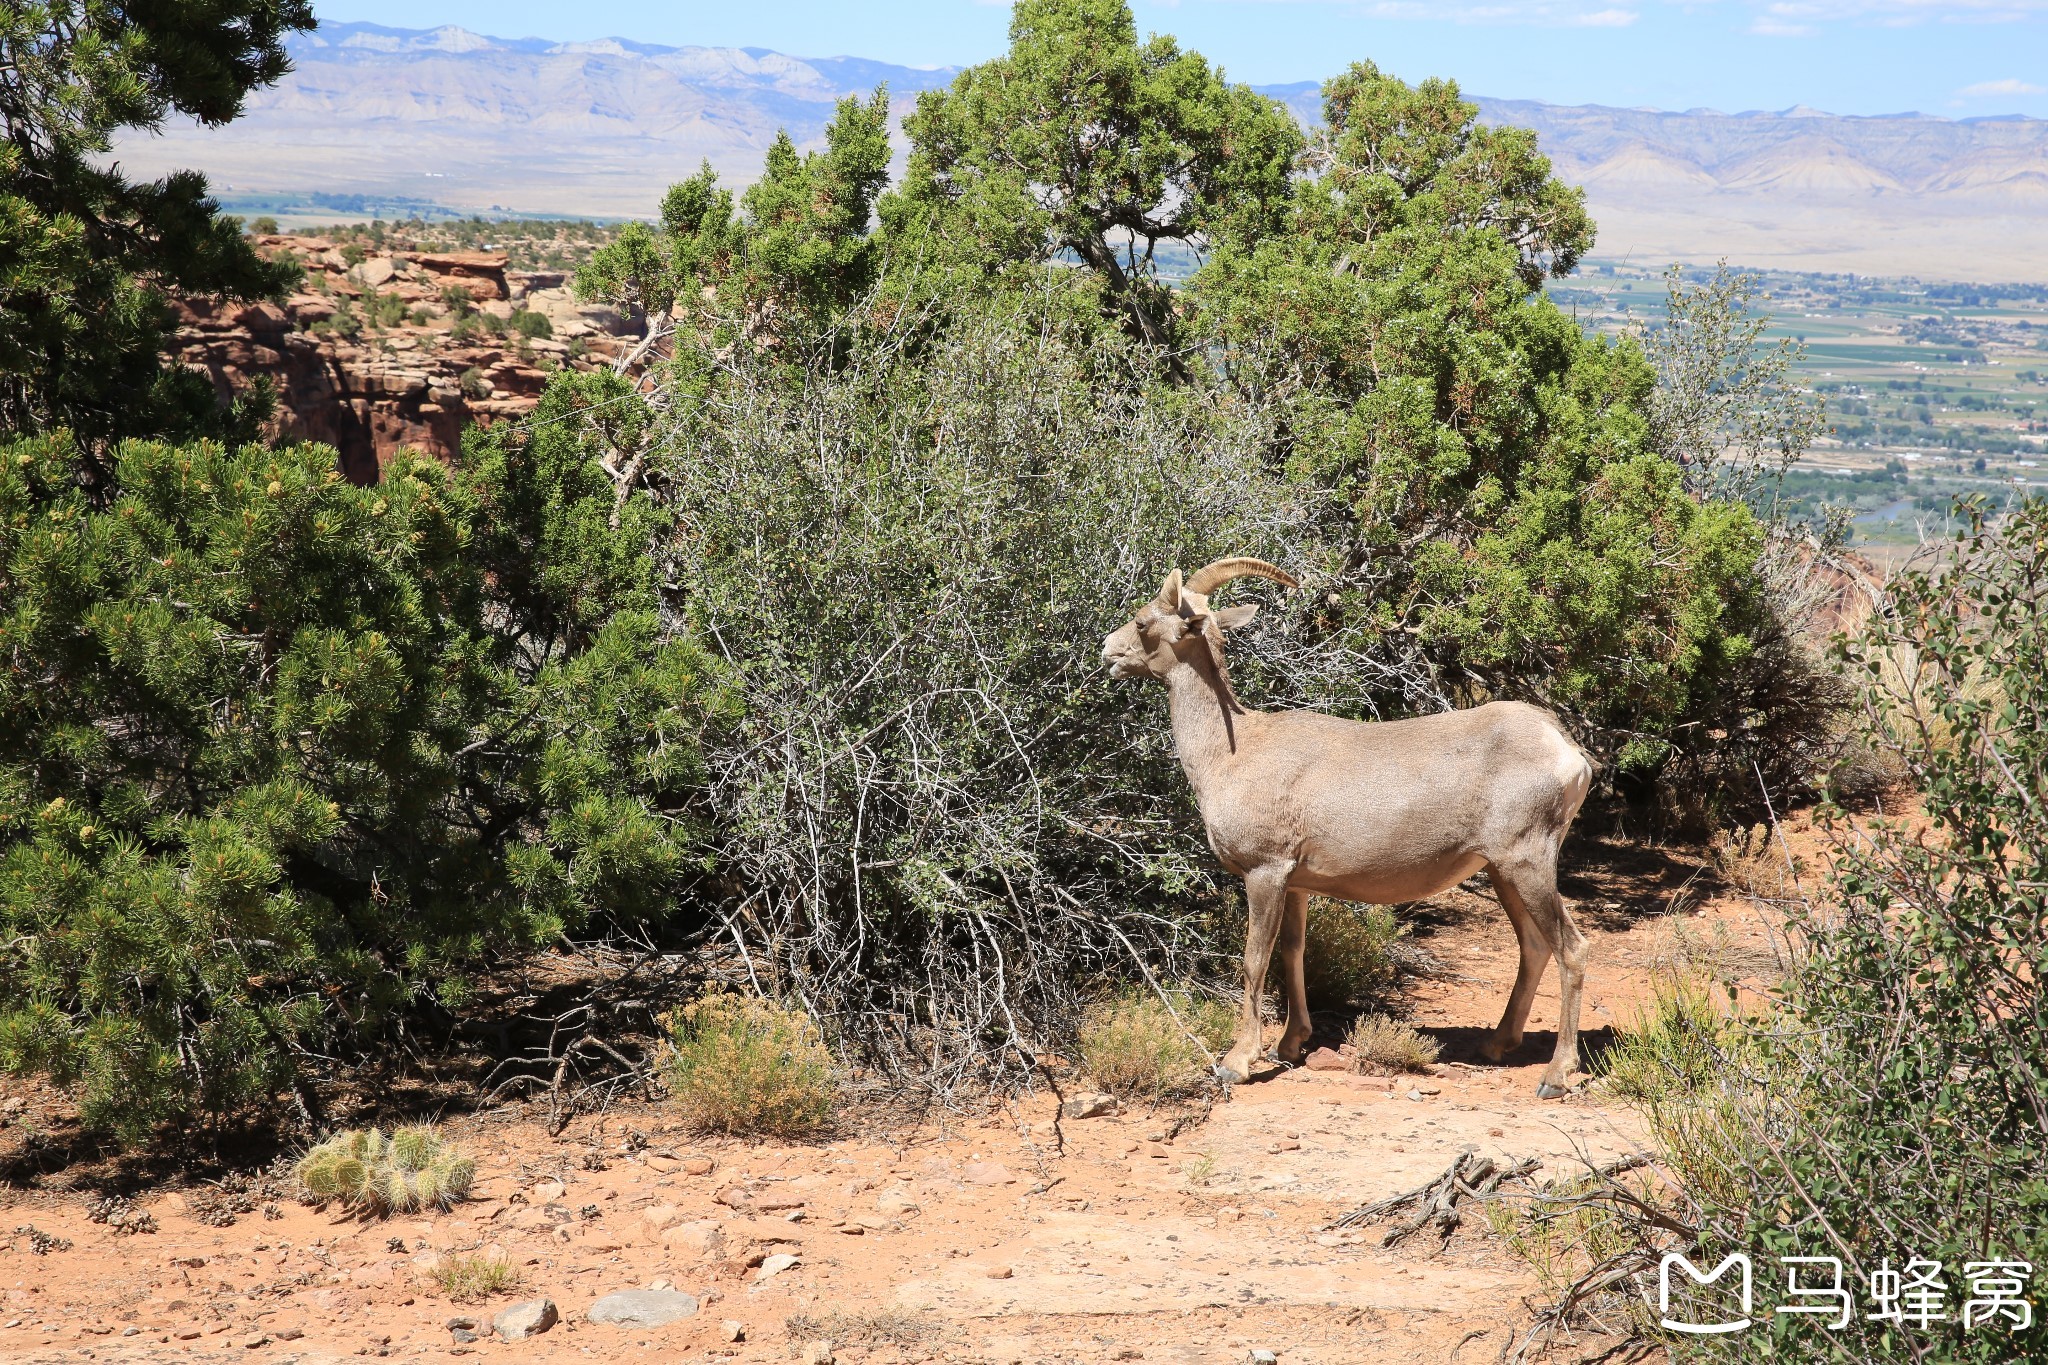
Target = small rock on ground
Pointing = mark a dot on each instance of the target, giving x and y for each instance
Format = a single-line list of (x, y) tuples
[(642, 1308), (1090, 1106), (523, 1320)]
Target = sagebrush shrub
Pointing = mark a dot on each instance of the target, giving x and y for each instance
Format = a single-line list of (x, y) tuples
[(407, 1171), (1135, 1046), (1379, 1044), (750, 1068)]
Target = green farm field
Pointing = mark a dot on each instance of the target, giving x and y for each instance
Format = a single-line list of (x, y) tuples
[(1933, 389)]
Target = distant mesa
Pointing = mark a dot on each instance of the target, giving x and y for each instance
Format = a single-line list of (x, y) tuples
[(600, 129)]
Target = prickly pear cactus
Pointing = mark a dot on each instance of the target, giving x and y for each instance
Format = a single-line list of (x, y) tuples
[(409, 1170)]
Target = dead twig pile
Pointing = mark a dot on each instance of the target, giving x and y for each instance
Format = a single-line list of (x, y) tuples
[(1471, 1176)]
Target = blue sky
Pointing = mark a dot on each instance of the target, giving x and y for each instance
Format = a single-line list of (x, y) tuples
[(1958, 58)]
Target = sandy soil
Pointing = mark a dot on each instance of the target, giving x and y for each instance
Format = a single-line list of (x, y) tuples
[(988, 1238)]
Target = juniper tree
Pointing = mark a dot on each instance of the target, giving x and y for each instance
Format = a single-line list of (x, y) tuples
[(284, 760), (88, 256)]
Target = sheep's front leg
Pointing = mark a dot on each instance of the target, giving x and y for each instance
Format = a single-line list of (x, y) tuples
[(1265, 890)]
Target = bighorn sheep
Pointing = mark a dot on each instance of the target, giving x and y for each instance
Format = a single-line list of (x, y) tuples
[(1300, 803)]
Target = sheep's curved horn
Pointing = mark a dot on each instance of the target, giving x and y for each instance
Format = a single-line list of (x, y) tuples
[(1213, 576)]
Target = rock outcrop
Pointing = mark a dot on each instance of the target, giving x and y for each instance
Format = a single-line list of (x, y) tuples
[(376, 352)]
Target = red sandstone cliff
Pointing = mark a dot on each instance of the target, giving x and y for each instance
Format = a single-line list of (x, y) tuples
[(399, 349)]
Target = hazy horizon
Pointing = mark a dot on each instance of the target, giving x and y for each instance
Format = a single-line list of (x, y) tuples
[(1973, 59)]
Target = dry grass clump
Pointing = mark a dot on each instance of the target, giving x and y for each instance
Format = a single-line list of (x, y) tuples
[(1134, 1046), (1753, 861), (748, 1067), (468, 1279), (1383, 1045), (410, 1170), (1349, 957)]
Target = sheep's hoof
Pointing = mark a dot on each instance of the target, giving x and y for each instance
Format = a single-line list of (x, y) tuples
[(1546, 1091), (1227, 1077)]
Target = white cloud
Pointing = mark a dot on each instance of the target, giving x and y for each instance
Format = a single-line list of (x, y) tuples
[(1986, 90), (1607, 18)]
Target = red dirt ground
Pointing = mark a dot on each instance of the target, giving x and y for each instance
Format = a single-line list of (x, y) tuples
[(969, 1240)]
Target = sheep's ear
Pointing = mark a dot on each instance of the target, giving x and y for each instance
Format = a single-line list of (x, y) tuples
[(1237, 618), (1169, 592)]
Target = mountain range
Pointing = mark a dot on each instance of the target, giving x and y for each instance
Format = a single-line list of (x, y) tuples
[(377, 119)]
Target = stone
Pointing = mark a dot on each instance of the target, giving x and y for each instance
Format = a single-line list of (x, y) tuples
[(1262, 1357), (375, 271), (698, 1165), (660, 1217), (1157, 1151), (987, 1173), (264, 317), (999, 1272), (1415, 1095), (643, 1308), (775, 1265), (703, 1239), (896, 1201), (733, 1197), (529, 1319), (1089, 1106), (1286, 1145), (1323, 1059), (817, 1353), (732, 1329)]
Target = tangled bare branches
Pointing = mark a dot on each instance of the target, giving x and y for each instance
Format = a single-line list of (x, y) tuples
[(1471, 1176)]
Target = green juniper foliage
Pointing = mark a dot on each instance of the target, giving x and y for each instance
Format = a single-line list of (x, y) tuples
[(87, 257), (268, 780)]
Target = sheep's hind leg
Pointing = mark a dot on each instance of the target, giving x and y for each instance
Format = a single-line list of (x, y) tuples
[(1290, 947), (1535, 884), (1265, 891), (1535, 946)]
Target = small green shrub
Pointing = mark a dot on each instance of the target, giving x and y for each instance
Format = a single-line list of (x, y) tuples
[(345, 322), (1350, 953), (264, 226), (1677, 1046), (383, 310), (467, 1279), (1382, 1044), (748, 1067), (410, 1170), (1134, 1046), (474, 385), (530, 324)]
